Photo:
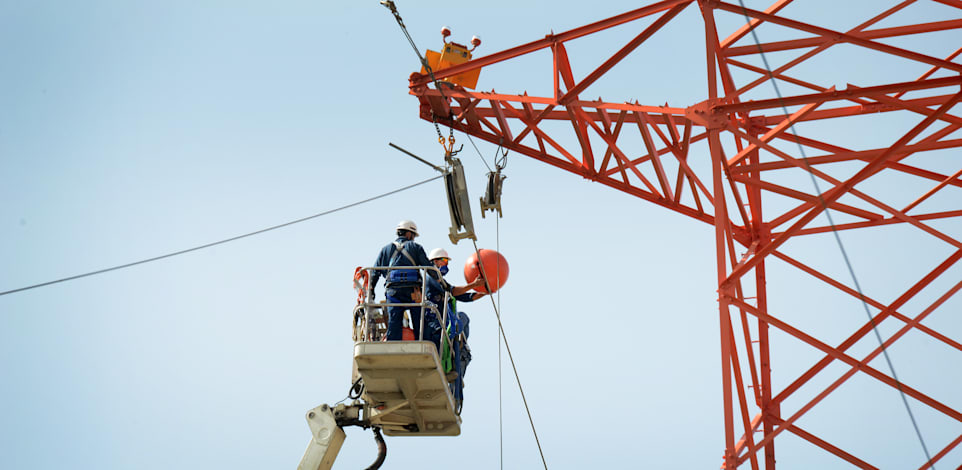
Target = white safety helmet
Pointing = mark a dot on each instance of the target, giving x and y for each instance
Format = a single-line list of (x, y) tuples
[(438, 253), (408, 225)]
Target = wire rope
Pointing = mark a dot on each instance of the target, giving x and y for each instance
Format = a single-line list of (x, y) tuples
[(221, 242), (479, 152), (389, 4), (497, 244), (507, 348), (838, 239)]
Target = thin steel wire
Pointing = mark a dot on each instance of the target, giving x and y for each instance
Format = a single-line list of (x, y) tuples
[(507, 348), (221, 242), (479, 152), (838, 240), (497, 244)]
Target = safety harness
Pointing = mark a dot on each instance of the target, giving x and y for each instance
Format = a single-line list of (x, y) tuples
[(402, 275)]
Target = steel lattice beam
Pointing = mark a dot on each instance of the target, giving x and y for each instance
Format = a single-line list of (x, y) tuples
[(726, 180)]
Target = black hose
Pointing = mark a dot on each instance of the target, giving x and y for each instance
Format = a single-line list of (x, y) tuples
[(356, 389), (381, 450)]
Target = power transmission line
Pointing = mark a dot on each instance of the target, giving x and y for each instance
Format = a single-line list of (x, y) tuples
[(221, 242)]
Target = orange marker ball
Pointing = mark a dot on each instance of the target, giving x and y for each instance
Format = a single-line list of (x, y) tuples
[(495, 268)]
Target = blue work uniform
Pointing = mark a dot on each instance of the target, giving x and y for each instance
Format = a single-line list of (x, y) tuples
[(457, 324), (400, 283), (436, 290)]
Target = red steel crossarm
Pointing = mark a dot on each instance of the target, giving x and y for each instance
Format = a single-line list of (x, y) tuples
[(871, 34), (552, 39), (836, 35), (574, 165), (550, 113)]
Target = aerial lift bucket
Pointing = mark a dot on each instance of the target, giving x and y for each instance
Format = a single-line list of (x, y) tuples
[(406, 385)]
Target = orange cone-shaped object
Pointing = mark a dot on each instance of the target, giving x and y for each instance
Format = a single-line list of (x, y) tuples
[(495, 268)]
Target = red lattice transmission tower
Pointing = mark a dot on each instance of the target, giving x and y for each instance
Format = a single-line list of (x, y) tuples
[(748, 159)]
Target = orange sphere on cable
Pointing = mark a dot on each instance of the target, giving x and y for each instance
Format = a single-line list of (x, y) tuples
[(495, 269)]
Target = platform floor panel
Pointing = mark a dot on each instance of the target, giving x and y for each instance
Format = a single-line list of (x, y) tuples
[(405, 382)]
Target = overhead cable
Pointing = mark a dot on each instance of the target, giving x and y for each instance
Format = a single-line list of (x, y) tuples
[(838, 239), (221, 242)]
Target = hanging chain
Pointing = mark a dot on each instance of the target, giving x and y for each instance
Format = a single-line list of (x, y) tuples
[(447, 144)]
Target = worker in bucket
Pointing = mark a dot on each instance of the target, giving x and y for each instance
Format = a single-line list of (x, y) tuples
[(457, 322), (399, 283)]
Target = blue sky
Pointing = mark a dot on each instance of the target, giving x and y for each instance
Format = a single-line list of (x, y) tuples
[(135, 129)]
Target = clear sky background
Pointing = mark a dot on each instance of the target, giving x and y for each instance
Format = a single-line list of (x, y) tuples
[(133, 129)]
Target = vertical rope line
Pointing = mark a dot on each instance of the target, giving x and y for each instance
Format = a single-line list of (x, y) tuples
[(507, 348), (838, 241), (497, 231)]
